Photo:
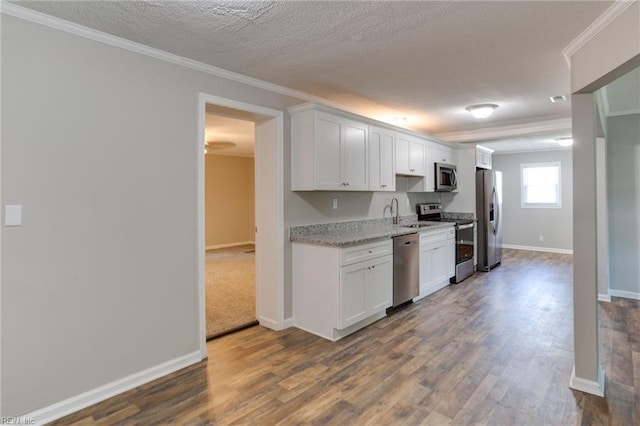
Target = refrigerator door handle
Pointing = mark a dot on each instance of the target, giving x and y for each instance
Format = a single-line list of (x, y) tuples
[(494, 199)]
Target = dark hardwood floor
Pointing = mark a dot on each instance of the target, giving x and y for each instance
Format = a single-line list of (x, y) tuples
[(495, 349)]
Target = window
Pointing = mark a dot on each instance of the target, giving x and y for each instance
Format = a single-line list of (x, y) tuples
[(541, 185)]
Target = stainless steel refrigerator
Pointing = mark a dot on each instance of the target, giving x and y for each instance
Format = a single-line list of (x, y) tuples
[(489, 215)]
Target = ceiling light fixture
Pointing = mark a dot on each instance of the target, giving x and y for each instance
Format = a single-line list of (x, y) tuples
[(564, 141), (559, 98), (217, 145), (399, 120), (481, 110)]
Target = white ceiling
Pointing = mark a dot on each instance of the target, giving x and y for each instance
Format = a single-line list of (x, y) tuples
[(426, 60)]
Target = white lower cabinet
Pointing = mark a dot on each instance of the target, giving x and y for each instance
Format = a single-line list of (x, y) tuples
[(366, 288), (437, 260), (337, 291)]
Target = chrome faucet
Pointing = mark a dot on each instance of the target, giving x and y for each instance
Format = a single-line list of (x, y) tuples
[(395, 213)]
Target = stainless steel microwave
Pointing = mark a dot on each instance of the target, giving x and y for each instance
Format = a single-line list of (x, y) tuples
[(446, 178)]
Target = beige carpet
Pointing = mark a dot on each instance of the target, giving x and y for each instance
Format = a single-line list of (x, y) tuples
[(230, 289)]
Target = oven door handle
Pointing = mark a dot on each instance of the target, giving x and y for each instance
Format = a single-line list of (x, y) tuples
[(467, 226)]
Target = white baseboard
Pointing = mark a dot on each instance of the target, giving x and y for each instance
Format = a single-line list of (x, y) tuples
[(289, 322), (269, 323), (604, 297), (626, 294), (588, 386), (534, 248), (219, 246), (85, 399)]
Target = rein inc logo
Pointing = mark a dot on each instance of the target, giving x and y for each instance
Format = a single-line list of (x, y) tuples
[(16, 421)]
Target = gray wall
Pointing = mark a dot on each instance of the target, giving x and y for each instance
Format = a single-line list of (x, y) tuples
[(523, 226), (98, 146), (623, 186)]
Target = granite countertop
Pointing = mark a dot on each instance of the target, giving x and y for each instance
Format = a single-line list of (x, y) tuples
[(345, 234)]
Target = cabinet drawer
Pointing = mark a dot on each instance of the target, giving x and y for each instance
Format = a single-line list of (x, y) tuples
[(366, 251), (431, 237)]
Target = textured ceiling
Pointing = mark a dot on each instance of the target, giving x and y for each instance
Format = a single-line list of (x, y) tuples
[(425, 60)]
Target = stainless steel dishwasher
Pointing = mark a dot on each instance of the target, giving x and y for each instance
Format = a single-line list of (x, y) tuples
[(406, 267)]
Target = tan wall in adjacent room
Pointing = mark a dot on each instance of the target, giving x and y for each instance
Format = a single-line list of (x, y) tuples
[(229, 200)]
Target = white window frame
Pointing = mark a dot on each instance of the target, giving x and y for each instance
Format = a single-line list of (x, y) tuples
[(523, 202)]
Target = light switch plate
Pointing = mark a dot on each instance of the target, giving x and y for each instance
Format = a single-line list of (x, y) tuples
[(12, 215)]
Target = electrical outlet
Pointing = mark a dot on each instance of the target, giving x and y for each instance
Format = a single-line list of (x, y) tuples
[(540, 238), (335, 203)]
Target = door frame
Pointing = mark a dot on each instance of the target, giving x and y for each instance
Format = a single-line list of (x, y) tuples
[(277, 170)]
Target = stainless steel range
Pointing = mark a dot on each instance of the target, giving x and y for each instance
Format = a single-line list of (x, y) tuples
[(464, 238)]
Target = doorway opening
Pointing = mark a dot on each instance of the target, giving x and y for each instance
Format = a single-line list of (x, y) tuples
[(267, 245), (230, 296)]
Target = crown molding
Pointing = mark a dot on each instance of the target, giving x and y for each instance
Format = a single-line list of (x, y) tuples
[(532, 150), (506, 131), (624, 112), (596, 26), (109, 39)]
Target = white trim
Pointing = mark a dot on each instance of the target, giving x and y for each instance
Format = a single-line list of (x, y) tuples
[(502, 132), (203, 100), (289, 322), (269, 323), (588, 386), (528, 150), (624, 112), (625, 294), (219, 246), (604, 298), (602, 105), (596, 26), (547, 164), (101, 393), (534, 248)]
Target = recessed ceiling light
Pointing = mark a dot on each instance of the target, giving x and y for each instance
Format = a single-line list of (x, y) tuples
[(399, 119), (564, 141), (559, 98), (481, 110)]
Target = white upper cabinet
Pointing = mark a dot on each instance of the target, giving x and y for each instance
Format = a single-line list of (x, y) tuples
[(328, 152), (443, 154), (382, 158), (483, 158), (410, 155)]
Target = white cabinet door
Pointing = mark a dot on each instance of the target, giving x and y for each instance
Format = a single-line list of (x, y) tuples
[(440, 263), (417, 157), (410, 155), (353, 304), (328, 149), (328, 152), (451, 257), (354, 156), (443, 154), (426, 268), (382, 174), (430, 170), (483, 158), (366, 288), (402, 154), (379, 284)]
